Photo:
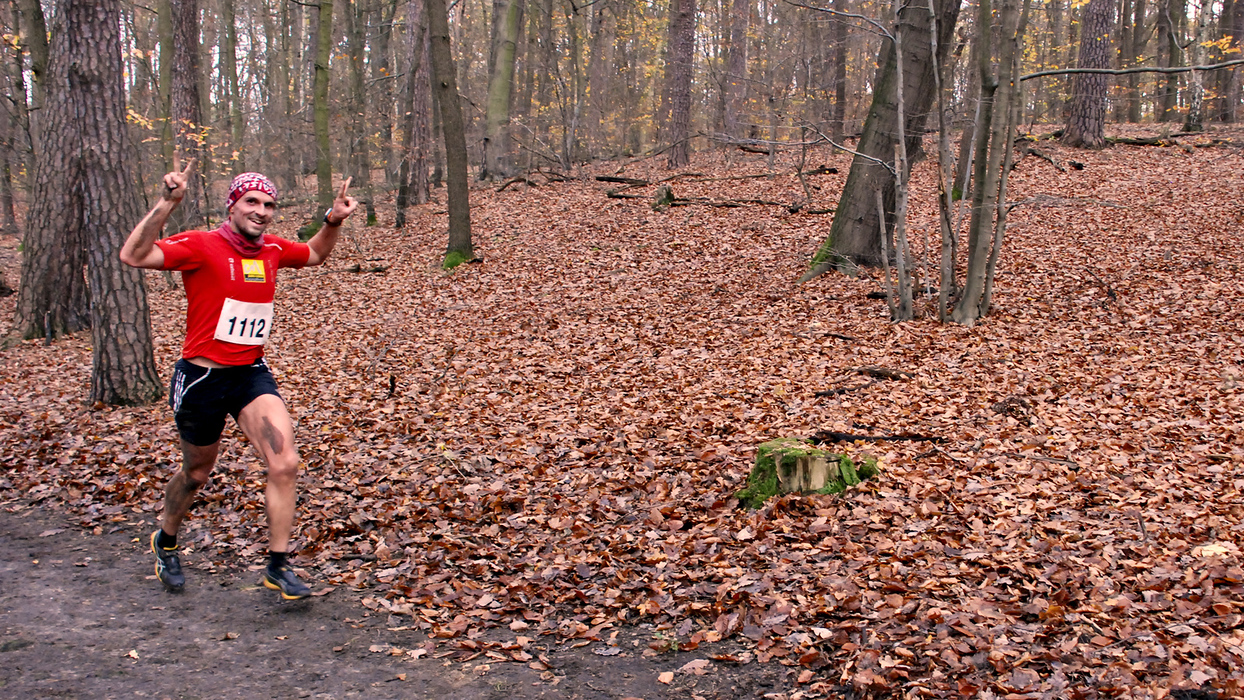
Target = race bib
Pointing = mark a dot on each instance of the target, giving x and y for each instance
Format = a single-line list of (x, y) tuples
[(244, 323)]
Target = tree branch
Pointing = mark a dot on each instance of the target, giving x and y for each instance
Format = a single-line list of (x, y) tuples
[(1126, 71)]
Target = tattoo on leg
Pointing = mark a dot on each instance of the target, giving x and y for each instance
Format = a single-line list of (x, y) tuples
[(273, 437)]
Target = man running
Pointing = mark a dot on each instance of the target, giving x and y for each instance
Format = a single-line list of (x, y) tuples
[(230, 280)]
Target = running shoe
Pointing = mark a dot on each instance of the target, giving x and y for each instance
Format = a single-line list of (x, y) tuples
[(167, 565), (284, 579)]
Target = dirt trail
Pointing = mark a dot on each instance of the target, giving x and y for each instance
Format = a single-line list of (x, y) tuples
[(81, 616)]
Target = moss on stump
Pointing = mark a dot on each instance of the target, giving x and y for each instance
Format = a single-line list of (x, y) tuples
[(794, 465)]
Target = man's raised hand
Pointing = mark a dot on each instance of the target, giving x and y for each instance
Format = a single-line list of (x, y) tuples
[(175, 183), (343, 206)]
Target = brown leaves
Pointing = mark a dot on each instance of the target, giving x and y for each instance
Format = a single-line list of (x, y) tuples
[(550, 442)]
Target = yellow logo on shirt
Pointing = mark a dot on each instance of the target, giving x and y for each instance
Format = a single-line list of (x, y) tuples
[(253, 271)]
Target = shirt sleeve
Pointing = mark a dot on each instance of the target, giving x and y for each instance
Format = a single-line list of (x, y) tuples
[(181, 252), (294, 254)]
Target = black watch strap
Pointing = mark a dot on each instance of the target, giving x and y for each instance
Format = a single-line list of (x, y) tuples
[(329, 221)]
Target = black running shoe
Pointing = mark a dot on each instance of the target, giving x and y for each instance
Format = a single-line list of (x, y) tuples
[(167, 565), (284, 580)]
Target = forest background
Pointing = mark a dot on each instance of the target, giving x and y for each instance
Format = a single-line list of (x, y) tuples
[(549, 442)]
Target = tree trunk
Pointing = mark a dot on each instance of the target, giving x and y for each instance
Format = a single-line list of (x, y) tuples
[(599, 73), (838, 120), (1086, 126), (413, 171), (1000, 101), (229, 66), (320, 106), (359, 160), (35, 39), (89, 119), (188, 130), (1140, 40), (1232, 89), (678, 68), (459, 248), (507, 19), (1125, 59), (382, 70), (853, 237), (735, 81), (10, 162)]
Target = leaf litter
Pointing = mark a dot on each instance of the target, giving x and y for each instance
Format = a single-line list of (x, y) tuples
[(549, 441)]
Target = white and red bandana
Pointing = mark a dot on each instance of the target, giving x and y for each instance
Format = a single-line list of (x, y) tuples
[(247, 182)]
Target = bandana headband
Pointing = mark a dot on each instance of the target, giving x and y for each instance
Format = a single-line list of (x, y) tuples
[(248, 182)]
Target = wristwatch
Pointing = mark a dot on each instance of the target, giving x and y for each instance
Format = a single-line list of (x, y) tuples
[(330, 222)]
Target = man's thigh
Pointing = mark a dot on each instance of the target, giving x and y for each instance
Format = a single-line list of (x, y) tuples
[(267, 424)]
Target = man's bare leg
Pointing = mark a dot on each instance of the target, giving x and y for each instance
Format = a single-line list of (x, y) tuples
[(196, 466), (267, 425)]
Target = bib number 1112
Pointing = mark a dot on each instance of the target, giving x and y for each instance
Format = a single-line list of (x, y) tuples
[(244, 323)]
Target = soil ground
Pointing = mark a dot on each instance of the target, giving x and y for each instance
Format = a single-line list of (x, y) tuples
[(81, 616)]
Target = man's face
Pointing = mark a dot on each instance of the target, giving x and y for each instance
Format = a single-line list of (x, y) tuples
[(252, 213)]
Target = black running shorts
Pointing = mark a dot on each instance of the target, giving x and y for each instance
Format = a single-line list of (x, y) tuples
[(202, 396)]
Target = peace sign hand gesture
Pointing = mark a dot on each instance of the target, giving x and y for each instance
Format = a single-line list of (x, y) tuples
[(175, 183), (343, 206)]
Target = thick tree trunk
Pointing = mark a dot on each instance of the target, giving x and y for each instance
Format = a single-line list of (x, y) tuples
[(853, 237), (507, 19), (459, 248), (678, 68), (320, 106), (89, 119), (188, 129), (1086, 125), (83, 206)]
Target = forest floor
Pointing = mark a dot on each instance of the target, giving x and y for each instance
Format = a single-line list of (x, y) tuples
[(519, 475)]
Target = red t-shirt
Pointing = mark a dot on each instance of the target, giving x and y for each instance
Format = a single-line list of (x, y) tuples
[(229, 297)]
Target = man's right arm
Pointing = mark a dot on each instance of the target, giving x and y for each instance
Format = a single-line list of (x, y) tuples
[(140, 249)]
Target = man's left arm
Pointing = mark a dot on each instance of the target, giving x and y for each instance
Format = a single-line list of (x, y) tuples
[(322, 243)]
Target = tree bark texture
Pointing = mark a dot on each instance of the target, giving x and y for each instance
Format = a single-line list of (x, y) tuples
[(1086, 124), (89, 177), (600, 72), (445, 86), (359, 169), (838, 117), (678, 68), (507, 20), (323, 148), (34, 38), (416, 134), (853, 237), (229, 66), (188, 132), (735, 82)]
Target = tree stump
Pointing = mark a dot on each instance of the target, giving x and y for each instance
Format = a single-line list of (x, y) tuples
[(794, 465)]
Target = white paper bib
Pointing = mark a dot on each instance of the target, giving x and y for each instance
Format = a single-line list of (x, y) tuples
[(244, 323)]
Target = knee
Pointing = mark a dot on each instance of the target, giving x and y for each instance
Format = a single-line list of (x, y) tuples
[(283, 467), (195, 477)]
